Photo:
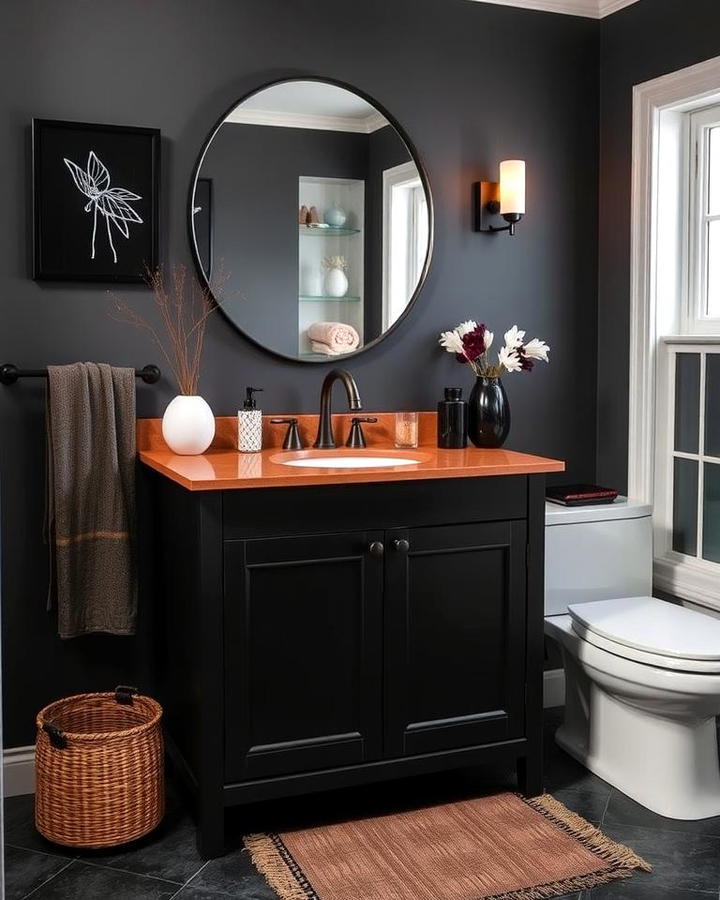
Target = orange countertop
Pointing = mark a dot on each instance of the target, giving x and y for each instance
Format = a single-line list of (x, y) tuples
[(224, 468)]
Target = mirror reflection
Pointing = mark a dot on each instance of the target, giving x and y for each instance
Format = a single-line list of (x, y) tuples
[(312, 205)]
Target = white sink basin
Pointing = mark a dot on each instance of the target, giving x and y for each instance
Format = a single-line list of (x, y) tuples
[(351, 461)]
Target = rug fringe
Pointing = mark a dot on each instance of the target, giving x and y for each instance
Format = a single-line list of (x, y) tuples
[(566, 886), (591, 837), (268, 860)]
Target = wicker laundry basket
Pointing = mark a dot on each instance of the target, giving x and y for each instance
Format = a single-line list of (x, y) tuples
[(99, 769)]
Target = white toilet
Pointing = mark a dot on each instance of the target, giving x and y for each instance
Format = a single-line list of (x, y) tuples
[(642, 675)]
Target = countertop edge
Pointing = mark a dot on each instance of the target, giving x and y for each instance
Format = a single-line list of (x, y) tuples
[(320, 478)]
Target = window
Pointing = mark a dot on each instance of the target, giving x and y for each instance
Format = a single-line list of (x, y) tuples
[(687, 502), (674, 398), (686, 490), (703, 311), (406, 235)]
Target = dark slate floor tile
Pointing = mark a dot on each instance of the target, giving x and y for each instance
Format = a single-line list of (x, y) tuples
[(20, 828), (642, 888), (17, 810), (196, 893), (83, 881), (624, 811), (233, 875), (562, 771), (169, 852), (26, 870), (590, 804), (681, 862)]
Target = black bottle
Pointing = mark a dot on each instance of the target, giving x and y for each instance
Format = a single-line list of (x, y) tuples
[(452, 420)]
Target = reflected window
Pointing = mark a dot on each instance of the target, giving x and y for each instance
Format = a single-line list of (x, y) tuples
[(405, 224)]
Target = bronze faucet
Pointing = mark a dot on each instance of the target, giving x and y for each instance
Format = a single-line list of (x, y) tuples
[(325, 439)]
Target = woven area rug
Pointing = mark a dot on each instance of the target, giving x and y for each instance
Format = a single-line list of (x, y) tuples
[(502, 847)]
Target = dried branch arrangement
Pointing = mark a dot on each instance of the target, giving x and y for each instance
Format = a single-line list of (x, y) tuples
[(184, 306)]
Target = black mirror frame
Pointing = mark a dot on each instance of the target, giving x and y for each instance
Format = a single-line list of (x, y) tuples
[(423, 178)]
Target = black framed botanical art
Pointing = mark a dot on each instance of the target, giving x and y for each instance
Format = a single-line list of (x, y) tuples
[(95, 193)]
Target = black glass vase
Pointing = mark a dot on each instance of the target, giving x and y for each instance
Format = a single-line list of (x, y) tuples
[(488, 413)]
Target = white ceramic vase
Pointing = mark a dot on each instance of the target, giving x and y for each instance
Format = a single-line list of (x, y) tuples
[(188, 425), (336, 283)]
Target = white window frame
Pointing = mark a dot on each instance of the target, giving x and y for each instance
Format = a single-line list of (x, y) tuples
[(696, 319), (690, 577), (659, 303), (403, 202)]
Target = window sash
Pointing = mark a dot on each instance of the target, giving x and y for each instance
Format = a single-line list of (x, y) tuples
[(689, 576), (697, 318)]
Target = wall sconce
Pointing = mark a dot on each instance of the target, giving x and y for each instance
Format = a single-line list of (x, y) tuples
[(504, 199)]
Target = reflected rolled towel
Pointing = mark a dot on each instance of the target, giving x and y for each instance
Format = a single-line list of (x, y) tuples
[(319, 347), (333, 338)]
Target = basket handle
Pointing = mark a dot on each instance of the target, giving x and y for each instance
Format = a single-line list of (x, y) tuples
[(124, 694), (57, 738)]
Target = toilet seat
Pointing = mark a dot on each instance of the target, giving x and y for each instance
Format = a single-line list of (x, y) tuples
[(651, 631)]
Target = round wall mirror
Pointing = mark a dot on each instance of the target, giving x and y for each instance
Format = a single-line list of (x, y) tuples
[(311, 207)]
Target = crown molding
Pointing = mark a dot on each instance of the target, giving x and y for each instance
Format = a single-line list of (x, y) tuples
[(608, 7), (367, 125), (590, 9)]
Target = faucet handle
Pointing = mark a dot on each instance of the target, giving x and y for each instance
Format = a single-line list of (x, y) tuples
[(292, 438), (356, 438)]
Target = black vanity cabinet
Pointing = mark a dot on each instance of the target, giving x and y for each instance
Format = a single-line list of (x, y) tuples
[(303, 639), (454, 636), (319, 637)]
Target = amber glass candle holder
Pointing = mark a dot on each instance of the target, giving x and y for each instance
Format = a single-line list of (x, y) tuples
[(406, 430)]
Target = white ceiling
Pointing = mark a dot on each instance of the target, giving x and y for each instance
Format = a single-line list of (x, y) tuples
[(309, 104), (592, 9)]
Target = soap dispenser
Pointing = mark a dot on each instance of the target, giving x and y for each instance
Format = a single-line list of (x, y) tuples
[(250, 424), (452, 420)]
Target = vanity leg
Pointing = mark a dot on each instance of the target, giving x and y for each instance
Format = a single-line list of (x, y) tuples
[(211, 831), (530, 774)]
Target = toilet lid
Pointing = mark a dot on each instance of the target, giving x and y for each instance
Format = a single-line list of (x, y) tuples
[(652, 631)]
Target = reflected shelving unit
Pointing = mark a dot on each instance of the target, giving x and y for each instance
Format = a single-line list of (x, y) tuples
[(325, 299), (315, 243), (326, 231)]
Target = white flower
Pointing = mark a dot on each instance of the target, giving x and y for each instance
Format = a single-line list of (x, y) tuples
[(451, 341), (537, 349), (509, 358), (514, 338), (488, 339), (466, 327)]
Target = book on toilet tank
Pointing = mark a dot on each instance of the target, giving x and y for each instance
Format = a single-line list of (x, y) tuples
[(580, 494)]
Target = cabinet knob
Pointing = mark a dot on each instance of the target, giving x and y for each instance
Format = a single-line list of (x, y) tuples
[(402, 546), (377, 548)]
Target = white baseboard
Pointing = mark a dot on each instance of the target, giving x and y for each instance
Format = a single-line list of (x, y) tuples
[(553, 688), (19, 771), (19, 762)]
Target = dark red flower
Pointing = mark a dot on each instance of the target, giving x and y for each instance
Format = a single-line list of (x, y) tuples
[(474, 342), (526, 364)]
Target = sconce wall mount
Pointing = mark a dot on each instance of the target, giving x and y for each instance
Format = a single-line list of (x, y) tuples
[(500, 205)]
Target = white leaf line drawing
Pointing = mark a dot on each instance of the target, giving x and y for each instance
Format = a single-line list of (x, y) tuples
[(112, 203)]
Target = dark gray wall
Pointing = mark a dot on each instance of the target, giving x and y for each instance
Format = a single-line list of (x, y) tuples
[(638, 43), (255, 171), (472, 83)]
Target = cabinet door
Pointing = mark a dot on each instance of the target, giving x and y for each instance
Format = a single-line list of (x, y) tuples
[(303, 653), (455, 636)]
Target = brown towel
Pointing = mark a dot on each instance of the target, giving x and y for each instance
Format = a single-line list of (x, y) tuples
[(91, 498)]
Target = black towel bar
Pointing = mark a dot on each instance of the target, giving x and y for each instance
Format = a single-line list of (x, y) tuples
[(10, 373)]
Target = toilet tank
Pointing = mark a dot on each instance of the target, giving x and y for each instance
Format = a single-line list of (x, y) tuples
[(597, 553)]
